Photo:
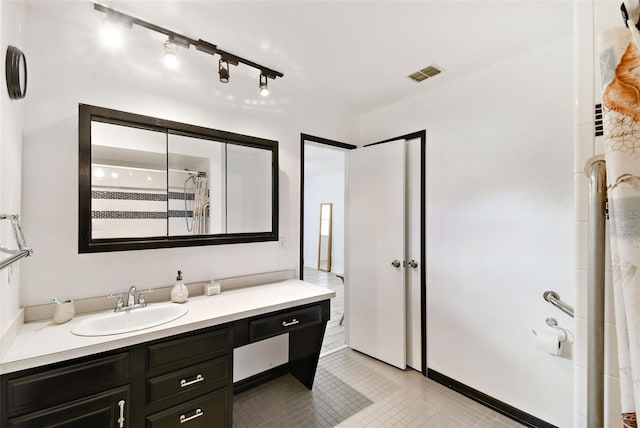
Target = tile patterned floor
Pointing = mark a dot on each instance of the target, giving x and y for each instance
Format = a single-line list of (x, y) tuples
[(354, 390), (334, 335)]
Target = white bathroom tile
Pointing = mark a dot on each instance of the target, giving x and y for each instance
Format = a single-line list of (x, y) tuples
[(582, 245), (598, 146), (580, 343), (580, 390), (581, 197), (583, 149), (610, 351), (583, 13), (612, 401), (597, 83), (580, 278), (584, 48), (585, 104)]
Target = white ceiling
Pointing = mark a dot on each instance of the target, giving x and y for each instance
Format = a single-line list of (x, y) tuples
[(355, 54)]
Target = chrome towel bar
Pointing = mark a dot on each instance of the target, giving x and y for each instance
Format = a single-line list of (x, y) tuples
[(23, 250), (553, 298)]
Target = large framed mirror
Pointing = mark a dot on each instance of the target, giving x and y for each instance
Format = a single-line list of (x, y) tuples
[(324, 237), (146, 182)]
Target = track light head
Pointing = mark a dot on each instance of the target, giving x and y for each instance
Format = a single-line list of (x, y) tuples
[(223, 70), (264, 86), (111, 34), (170, 54)]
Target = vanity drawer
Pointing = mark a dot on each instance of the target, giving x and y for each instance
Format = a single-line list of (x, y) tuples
[(67, 383), (186, 351), (189, 382), (208, 411), (273, 325)]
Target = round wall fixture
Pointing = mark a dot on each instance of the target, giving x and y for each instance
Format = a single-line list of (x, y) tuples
[(16, 73)]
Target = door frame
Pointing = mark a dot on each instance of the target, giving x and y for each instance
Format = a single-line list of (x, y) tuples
[(423, 256), (318, 140), (423, 243)]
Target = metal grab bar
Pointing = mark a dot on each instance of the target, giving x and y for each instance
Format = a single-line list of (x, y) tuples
[(23, 250), (553, 298)]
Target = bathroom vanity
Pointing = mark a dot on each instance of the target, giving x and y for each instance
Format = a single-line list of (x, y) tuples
[(177, 374)]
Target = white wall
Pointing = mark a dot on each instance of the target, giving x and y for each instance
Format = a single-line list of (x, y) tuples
[(12, 32), (318, 189), (79, 71), (499, 223)]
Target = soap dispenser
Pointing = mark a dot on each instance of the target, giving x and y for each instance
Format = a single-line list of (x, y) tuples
[(179, 292)]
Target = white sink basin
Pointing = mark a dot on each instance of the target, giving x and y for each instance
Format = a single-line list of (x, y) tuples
[(129, 320)]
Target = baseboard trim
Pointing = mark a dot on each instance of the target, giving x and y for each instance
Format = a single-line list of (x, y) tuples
[(487, 401), (260, 378)]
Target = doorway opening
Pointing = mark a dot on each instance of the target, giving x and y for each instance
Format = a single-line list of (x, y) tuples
[(322, 220)]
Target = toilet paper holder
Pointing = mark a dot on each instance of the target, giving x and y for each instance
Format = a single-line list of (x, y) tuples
[(552, 322)]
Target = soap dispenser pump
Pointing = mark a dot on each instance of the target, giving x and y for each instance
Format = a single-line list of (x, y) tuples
[(179, 292)]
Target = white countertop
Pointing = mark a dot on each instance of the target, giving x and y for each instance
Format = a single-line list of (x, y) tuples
[(43, 342)]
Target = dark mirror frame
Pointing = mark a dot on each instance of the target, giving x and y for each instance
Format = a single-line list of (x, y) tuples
[(86, 244)]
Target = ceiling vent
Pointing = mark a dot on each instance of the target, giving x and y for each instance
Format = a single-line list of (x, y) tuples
[(425, 73)]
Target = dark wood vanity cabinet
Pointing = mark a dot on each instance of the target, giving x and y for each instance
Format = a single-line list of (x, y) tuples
[(86, 392), (179, 381), (184, 380)]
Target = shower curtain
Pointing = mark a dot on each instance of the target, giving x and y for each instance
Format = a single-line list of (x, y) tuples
[(620, 79)]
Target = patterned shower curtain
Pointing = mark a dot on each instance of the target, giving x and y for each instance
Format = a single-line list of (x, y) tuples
[(620, 79)]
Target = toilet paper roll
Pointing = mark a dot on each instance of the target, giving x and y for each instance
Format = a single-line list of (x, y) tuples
[(549, 341)]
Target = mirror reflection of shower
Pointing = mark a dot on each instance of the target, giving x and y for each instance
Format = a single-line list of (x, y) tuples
[(196, 203)]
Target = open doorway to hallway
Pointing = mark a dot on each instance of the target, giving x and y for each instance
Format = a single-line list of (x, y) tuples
[(322, 239)]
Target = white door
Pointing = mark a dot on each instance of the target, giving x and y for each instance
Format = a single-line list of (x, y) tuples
[(376, 244), (412, 278)]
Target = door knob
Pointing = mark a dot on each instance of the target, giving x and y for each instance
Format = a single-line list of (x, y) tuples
[(395, 263), (413, 264)]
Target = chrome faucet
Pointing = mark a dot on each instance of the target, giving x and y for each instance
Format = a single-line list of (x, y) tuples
[(130, 303), (132, 296)]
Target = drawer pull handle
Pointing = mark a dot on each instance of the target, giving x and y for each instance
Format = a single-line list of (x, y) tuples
[(197, 414), (121, 419), (293, 322), (184, 383)]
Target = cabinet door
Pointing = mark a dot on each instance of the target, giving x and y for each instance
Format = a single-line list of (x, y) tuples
[(98, 411)]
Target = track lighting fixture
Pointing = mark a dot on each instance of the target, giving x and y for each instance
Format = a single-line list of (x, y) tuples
[(176, 40), (223, 70), (264, 86)]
